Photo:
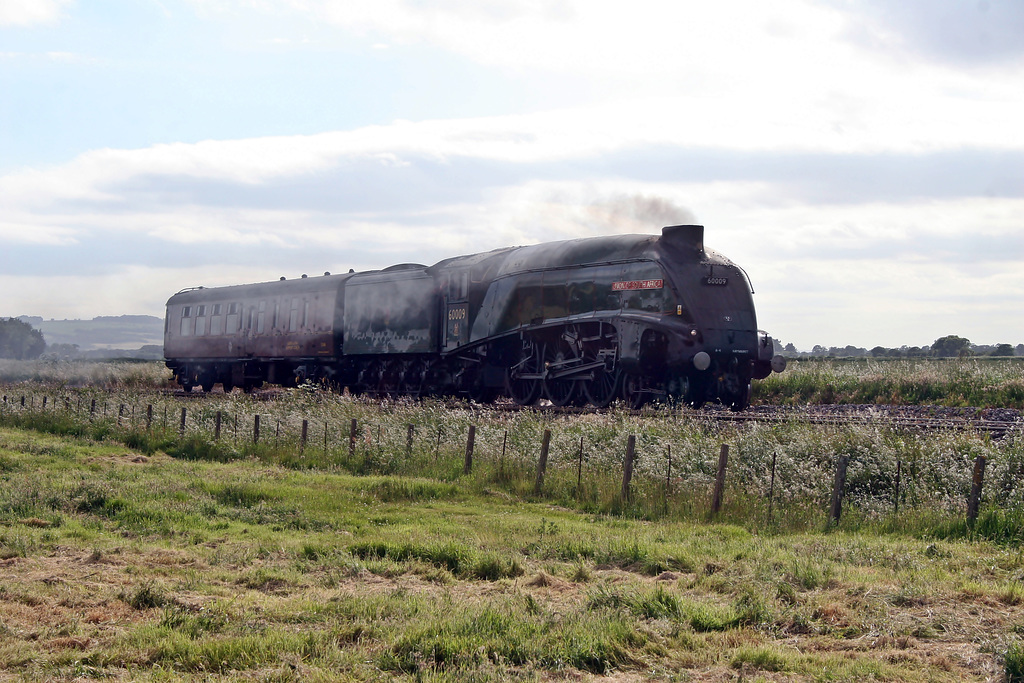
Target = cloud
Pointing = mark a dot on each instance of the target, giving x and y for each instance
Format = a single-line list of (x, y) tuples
[(849, 242), (980, 32), (30, 12)]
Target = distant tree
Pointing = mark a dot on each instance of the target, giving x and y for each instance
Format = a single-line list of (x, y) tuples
[(790, 349), (1002, 350), (951, 345), (1019, 349), (20, 340), (819, 350), (879, 351), (915, 352)]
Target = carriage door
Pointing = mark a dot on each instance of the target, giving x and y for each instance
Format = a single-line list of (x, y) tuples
[(457, 311)]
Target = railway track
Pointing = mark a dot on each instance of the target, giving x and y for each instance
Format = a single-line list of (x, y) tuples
[(996, 422)]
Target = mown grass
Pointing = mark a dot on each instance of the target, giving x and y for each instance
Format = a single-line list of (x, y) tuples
[(125, 566)]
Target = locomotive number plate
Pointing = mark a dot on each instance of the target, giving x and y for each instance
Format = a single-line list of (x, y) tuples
[(637, 284), (716, 281)]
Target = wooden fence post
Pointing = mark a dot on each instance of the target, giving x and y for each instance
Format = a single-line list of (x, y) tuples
[(352, 428), (837, 490), (256, 429), (627, 469), (181, 427), (668, 472), (216, 426), (976, 482), (579, 468), (896, 492), (149, 416), (410, 431), (543, 463), (470, 440), (719, 494), (305, 434)]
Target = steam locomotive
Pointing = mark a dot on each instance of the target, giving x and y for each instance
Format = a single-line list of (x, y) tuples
[(585, 321)]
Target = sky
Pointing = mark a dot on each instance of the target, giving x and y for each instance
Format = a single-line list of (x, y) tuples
[(863, 161)]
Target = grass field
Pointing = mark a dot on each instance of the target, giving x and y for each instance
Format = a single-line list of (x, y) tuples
[(978, 382), (119, 565), (130, 551)]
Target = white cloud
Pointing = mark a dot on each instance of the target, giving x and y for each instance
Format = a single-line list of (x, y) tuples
[(786, 75), (29, 12)]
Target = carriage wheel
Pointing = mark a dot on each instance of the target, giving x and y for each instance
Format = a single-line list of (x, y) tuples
[(527, 361), (556, 356), (369, 377), (390, 384), (412, 379)]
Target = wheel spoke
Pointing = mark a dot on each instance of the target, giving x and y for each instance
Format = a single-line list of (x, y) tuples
[(557, 355), (603, 386), (524, 391)]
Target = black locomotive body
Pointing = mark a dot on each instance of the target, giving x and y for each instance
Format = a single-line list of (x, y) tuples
[(636, 317)]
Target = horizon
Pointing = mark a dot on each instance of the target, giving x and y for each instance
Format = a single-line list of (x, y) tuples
[(799, 349)]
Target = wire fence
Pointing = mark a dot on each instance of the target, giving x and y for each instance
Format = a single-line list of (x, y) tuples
[(687, 463)]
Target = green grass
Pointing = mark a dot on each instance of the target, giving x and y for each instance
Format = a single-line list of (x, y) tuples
[(978, 382), (677, 455), (167, 568)]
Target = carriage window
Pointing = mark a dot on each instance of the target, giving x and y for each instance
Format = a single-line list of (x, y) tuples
[(261, 318), (305, 314), (201, 321), (215, 320), (277, 313), (233, 318), (186, 321), (293, 316)]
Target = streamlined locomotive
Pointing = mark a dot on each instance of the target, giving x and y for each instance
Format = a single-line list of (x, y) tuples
[(585, 321)]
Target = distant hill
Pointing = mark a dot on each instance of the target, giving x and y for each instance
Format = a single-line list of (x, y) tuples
[(103, 333)]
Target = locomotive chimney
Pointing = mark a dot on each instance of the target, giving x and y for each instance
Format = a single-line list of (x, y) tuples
[(683, 238)]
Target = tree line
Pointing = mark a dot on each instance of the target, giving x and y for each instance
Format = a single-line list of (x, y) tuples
[(950, 346)]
